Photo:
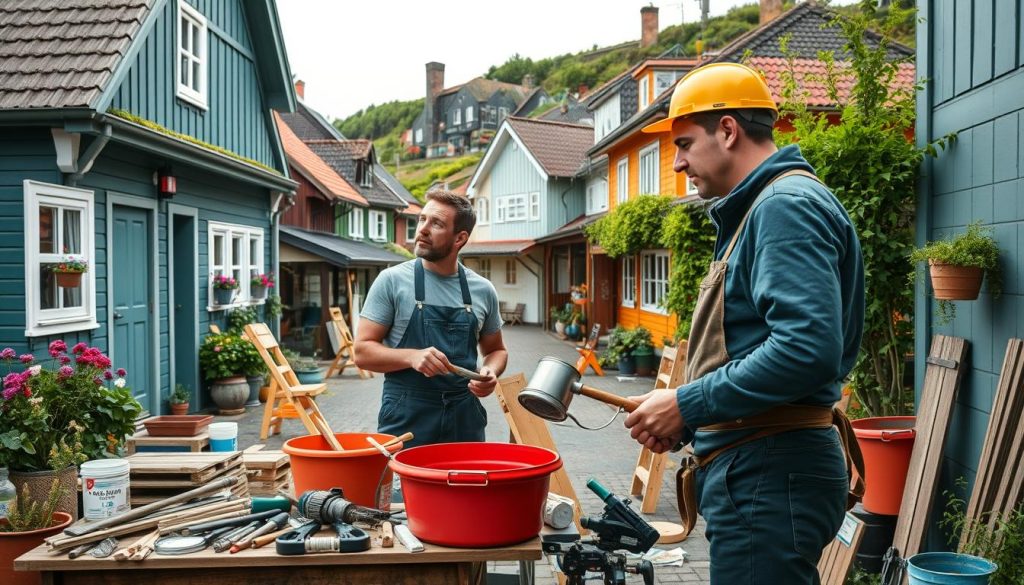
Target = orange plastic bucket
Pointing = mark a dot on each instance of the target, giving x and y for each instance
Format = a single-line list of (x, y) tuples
[(886, 442), (357, 470)]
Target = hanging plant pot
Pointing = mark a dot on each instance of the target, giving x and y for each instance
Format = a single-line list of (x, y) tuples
[(223, 296), (258, 293), (955, 283), (68, 279)]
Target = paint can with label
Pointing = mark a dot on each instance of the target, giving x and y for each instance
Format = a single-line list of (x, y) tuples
[(105, 488)]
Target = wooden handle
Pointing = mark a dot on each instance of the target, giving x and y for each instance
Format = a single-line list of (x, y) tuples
[(387, 535), (609, 398), (268, 538), (470, 374), (399, 439)]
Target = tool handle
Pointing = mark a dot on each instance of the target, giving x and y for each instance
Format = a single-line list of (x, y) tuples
[(609, 398), (460, 371), (408, 540), (399, 439), (239, 521), (378, 447), (350, 538), (268, 538), (293, 542)]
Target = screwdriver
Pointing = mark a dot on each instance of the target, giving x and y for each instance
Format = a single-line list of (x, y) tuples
[(276, 523)]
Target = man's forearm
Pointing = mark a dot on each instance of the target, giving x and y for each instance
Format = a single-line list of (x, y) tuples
[(377, 357), (496, 361)]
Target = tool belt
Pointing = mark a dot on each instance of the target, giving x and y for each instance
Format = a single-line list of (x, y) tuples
[(781, 419)]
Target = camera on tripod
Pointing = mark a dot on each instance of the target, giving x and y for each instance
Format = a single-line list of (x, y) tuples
[(619, 528)]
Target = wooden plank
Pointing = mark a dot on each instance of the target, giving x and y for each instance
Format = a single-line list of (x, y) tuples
[(528, 429), (265, 459), (934, 412), (838, 556), (152, 479), (198, 467)]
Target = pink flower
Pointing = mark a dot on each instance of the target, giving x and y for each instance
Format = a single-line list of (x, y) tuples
[(79, 347), (65, 372), (27, 358), (8, 354), (121, 373), (217, 348), (65, 360), (57, 346), (108, 375), (9, 393)]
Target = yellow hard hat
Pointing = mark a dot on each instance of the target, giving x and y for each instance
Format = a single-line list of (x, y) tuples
[(718, 86)]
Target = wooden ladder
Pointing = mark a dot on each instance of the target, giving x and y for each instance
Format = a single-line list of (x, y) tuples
[(650, 466), (345, 356)]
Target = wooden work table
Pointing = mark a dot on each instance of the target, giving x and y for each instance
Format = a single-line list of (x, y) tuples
[(386, 566)]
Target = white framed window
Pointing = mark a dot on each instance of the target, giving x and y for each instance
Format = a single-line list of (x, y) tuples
[(597, 196), (644, 90), (622, 180), (192, 55), (534, 206), (485, 268), (653, 281), (483, 211), (355, 223), (366, 180), (629, 281), (410, 229), (419, 135), (691, 189), (502, 113), (456, 116), (649, 175), (378, 226), (663, 80), (59, 224), (469, 114), (511, 208), (510, 271), (235, 251)]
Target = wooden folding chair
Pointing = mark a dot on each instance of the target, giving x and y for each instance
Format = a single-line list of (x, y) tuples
[(650, 466), (838, 556), (286, 391), (345, 354), (588, 353)]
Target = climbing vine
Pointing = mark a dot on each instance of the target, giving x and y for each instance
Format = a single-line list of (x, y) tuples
[(632, 226), (687, 232)]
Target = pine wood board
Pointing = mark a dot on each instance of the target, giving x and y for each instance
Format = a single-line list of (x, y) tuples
[(934, 411), (265, 459), (144, 495), (198, 467)]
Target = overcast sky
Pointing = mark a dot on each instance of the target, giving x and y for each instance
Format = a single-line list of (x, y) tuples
[(353, 53)]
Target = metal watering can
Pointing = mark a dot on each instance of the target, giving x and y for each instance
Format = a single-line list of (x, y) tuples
[(550, 390)]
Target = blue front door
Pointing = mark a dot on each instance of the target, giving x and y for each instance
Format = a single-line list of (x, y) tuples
[(130, 279)]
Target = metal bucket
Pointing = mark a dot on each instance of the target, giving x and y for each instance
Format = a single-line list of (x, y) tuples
[(550, 389)]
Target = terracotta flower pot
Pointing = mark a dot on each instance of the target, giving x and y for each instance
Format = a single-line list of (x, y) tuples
[(15, 544), (179, 408), (955, 283), (68, 279)]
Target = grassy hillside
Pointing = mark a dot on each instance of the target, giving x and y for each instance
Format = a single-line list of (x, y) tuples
[(419, 174)]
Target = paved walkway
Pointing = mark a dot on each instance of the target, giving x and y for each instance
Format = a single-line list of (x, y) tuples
[(609, 455)]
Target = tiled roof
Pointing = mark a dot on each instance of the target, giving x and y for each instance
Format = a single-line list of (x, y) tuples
[(575, 113), (309, 125), (810, 30), (337, 250), (326, 179), (496, 248), (808, 73), (482, 89), (559, 148), (340, 156), (62, 53)]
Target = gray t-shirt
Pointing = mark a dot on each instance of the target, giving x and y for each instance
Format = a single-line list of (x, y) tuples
[(392, 298)]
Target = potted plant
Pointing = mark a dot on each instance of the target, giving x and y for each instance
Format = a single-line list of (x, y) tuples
[(643, 351), (224, 288), (560, 316), (957, 266), (68, 272), (179, 399), (225, 359), (620, 348), (307, 370), (28, 522), (259, 285), (60, 413)]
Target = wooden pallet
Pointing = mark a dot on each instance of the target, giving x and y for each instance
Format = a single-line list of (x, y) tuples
[(263, 488), (140, 496), (197, 468)]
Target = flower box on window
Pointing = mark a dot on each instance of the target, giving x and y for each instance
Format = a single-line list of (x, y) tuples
[(68, 272)]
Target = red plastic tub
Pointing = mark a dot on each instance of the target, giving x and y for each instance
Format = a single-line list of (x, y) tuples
[(475, 495), (357, 470), (887, 443)]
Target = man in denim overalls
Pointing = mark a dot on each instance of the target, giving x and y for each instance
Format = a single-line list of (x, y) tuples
[(775, 331), (422, 315)]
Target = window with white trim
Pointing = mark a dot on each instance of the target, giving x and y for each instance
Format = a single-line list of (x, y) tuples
[(622, 180), (419, 136), (192, 55), (59, 224), (485, 268), (378, 226), (663, 80), (410, 228), (534, 206), (235, 251), (456, 116), (366, 177), (644, 90), (510, 271), (649, 183), (597, 196), (469, 114), (483, 211), (628, 281), (511, 208), (355, 223), (653, 281), (691, 189)]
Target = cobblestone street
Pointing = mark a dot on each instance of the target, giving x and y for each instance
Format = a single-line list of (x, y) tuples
[(609, 455)]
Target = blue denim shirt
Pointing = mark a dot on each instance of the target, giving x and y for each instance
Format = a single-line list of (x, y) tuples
[(794, 301)]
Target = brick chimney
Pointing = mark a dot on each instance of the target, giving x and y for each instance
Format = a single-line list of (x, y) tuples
[(528, 81), (300, 89), (770, 10), (649, 26), (435, 83)]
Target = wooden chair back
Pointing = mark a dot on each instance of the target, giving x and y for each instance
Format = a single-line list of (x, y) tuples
[(281, 371)]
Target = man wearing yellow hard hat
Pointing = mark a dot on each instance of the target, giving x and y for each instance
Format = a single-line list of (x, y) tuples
[(776, 329)]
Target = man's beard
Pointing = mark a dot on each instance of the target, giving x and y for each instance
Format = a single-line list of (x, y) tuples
[(433, 254)]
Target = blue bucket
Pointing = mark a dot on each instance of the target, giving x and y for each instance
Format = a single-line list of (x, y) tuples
[(946, 568)]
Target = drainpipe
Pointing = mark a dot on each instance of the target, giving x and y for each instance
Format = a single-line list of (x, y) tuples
[(89, 157), (276, 210)]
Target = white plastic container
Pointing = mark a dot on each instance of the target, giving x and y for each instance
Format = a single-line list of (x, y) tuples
[(105, 488), (223, 436)]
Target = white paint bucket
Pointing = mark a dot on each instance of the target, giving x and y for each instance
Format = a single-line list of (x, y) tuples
[(105, 488), (223, 436)]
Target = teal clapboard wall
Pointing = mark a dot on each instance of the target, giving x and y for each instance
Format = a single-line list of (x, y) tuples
[(973, 54), (236, 116)]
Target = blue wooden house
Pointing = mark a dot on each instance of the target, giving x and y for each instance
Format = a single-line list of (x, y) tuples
[(973, 56), (137, 135)]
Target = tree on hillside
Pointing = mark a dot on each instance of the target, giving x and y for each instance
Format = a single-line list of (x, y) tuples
[(378, 121)]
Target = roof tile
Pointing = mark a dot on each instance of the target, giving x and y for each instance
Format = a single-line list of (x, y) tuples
[(560, 148), (301, 156)]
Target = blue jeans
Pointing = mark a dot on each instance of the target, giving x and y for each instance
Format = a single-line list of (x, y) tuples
[(772, 505)]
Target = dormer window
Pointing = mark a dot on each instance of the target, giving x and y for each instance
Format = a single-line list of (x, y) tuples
[(456, 116), (366, 180), (192, 55)]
